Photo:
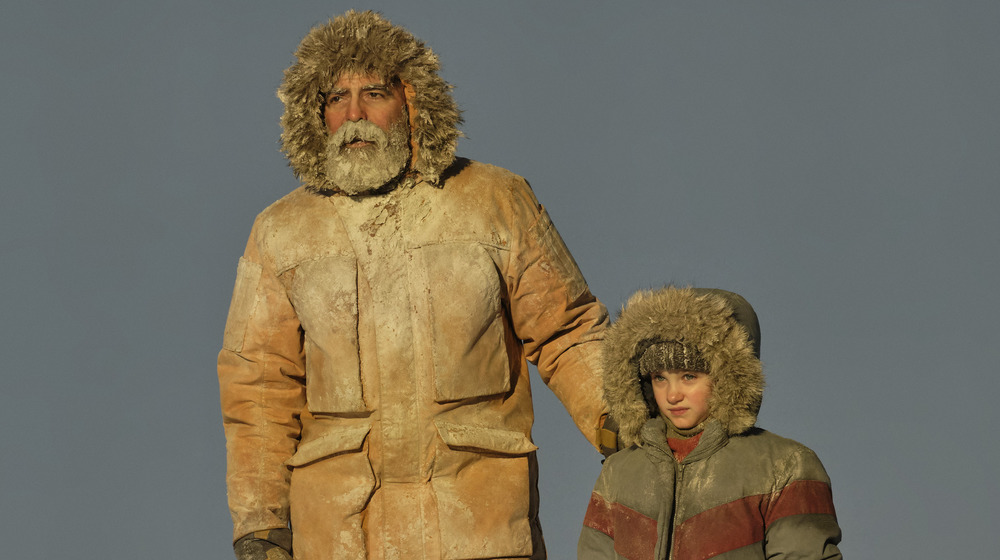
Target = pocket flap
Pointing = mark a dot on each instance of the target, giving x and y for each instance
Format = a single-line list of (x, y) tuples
[(497, 440), (338, 440)]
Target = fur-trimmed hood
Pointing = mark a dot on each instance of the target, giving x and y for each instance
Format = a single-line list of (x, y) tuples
[(365, 42), (720, 326)]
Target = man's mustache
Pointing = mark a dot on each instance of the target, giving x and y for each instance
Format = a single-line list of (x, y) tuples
[(363, 130)]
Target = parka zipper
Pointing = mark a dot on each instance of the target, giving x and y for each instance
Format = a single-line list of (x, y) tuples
[(678, 478)]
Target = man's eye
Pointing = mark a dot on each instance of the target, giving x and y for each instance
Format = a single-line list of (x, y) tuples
[(334, 99), (376, 94)]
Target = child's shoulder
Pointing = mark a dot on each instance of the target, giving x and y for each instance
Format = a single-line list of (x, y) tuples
[(776, 449), (631, 461), (759, 437)]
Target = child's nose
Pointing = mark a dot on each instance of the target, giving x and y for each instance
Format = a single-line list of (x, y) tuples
[(674, 395)]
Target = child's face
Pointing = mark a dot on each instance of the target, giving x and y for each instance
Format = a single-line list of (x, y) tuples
[(682, 396)]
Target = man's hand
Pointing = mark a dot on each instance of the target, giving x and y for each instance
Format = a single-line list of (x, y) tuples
[(607, 436), (269, 544)]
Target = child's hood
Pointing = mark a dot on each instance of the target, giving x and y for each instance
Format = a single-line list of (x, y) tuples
[(719, 325)]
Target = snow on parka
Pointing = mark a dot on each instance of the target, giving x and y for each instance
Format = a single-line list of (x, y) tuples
[(742, 492), (373, 375)]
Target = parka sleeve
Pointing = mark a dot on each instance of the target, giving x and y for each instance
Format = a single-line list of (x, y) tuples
[(261, 383), (800, 519), (597, 541), (559, 321)]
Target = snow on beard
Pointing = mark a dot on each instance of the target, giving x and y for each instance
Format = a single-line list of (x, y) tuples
[(367, 169)]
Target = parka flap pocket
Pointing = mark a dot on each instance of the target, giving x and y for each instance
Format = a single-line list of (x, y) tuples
[(339, 440), (506, 442), (324, 293), (466, 319)]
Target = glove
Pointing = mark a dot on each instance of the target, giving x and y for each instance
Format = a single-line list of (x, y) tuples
[(268, 544), (607, 436)]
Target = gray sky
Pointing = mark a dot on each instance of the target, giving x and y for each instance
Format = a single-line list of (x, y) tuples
[(834, 162)]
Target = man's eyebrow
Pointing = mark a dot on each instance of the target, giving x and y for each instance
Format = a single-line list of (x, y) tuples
[(366, 87)]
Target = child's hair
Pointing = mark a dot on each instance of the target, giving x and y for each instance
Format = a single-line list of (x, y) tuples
[(696, 329)]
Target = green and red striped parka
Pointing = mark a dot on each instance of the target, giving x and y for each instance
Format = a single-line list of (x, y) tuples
[(743, 493)]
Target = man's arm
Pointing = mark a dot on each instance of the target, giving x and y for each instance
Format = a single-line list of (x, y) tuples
[(261, 382), (560, 322)]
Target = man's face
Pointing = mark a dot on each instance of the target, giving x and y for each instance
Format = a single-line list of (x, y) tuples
[(363, 97), (368, 145), (682, 396)]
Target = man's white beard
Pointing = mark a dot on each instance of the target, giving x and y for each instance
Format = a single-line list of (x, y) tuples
[(369, 168)]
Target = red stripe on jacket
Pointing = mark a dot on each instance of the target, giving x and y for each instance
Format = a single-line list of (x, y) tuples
[(633, 533), (742, 522)]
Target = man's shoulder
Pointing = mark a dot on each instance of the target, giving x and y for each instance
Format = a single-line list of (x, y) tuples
[(482, 181), (289, 209), (466, 171), (294, 200), (293, 226), (483, 168)]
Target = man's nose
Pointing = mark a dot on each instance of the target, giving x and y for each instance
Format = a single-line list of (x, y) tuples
[(355, 110)]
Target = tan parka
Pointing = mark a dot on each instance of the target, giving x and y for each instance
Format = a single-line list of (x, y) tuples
[(373, 375)]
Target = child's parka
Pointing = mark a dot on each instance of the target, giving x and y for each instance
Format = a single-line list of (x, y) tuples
[(742, 492)]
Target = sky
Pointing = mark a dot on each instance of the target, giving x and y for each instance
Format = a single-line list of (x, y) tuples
[(833, 162)]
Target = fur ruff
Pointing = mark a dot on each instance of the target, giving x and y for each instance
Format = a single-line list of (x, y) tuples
[(365, 42), (699, 318)]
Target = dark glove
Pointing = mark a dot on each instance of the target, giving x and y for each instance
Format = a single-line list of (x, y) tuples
[(269, 544), (607, 436)]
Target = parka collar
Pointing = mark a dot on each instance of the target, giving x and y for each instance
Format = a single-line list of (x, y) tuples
[(713, 438)]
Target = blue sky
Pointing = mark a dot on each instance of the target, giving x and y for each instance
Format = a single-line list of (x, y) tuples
[(834, 162)]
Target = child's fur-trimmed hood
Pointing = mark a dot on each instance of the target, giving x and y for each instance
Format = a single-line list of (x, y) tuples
[(364, 42), (720, 326)]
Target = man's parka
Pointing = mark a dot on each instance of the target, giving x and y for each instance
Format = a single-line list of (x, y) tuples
[(373, 375)]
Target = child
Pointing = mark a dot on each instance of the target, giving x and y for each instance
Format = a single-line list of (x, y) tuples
[(696, 479)]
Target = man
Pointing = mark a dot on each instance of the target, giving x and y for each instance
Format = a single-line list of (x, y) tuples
[(374, 387)]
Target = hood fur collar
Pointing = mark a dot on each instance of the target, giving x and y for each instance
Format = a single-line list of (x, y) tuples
[(720, 325), (365, 42)]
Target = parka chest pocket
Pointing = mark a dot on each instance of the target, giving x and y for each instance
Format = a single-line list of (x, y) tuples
[(466, 321), (324, 292)]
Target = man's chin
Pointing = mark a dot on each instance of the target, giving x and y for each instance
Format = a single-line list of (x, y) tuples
[(363, 179), (361, 188)]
